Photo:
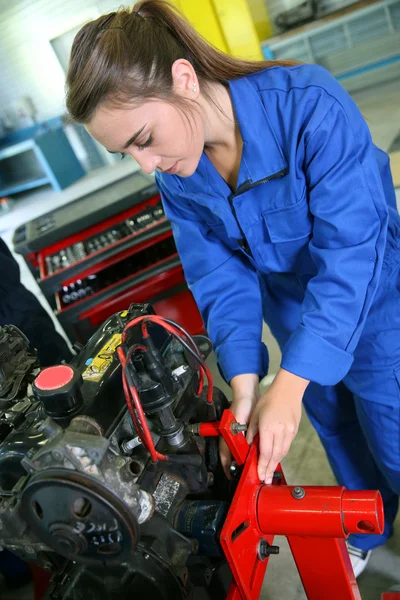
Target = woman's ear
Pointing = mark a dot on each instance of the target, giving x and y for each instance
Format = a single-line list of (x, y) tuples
[(184, 78)]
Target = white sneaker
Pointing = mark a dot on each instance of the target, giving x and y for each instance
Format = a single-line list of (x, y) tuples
[(359, 559)]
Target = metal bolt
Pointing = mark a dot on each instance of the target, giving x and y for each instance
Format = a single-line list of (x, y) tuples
[(234, 470), (29, 550), (298, 493), (265, 549), (57, 455), (238, 428)]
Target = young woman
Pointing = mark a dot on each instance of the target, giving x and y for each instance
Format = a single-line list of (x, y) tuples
[(283, 210)]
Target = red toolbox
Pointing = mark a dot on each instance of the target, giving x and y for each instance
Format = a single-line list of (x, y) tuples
[(96, 255)]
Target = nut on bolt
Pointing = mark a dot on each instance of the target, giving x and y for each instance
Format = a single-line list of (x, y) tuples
[(298, 492), (193, 428), (238, 428), (265, 549), (234, 470), (57, 455)]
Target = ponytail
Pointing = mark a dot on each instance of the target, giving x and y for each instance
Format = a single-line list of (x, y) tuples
[(127, 56)]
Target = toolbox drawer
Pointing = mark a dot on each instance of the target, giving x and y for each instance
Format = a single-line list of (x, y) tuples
[(79, 252), (166, 291), (129, 268), (148, 272), (163, 285)]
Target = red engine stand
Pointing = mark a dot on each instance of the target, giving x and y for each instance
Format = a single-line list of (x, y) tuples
[(315, 520)]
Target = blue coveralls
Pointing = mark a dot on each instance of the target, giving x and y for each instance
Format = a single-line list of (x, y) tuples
[(309, 241)]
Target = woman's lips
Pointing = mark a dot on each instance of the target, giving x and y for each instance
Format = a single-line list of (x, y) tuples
[(173, 169)]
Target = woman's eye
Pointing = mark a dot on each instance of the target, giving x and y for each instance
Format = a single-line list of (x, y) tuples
[(147, 143)]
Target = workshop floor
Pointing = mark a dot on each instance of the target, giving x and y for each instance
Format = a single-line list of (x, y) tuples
[(306, 463)]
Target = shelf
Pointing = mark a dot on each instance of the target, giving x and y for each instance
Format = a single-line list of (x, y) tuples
[(15, 149), (46, 159), (22, 185)]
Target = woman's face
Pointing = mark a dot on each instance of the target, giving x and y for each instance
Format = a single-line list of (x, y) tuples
[(156, 134)]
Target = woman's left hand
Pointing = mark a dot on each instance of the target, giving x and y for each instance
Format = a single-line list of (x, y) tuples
[(276, 418)]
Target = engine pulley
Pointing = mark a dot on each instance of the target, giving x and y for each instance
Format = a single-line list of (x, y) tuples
[(79, 517)]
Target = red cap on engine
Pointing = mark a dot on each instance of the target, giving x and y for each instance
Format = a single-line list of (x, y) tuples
[(59, 390), (53, 378)]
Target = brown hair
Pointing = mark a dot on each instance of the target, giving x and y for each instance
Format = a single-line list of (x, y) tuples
[(126, 56)]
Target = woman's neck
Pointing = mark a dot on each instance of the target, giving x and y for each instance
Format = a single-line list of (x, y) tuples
[(223, 140), (220, 127)]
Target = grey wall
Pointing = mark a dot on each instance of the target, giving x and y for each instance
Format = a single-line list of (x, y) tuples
[(28, 63)]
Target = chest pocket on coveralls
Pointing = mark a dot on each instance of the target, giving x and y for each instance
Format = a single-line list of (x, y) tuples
[(289, 228)]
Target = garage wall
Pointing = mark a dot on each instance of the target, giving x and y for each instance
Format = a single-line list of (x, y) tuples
[(28, 64)]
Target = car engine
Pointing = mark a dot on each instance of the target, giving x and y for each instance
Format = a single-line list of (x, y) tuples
[(103, 480)]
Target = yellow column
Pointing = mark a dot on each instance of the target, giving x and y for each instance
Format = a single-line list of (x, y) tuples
[(238, 28), (261, 19), (228, 24), (203, 17)]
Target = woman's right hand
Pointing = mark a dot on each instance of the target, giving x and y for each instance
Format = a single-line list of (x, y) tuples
[(245, 397)]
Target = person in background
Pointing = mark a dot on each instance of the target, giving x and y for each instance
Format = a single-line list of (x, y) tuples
[(282, 209), (19, 307)]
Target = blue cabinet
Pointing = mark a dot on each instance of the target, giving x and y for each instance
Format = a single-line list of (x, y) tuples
[(35, 157)]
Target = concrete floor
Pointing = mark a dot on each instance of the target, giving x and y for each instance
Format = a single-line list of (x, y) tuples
[(306, 463)]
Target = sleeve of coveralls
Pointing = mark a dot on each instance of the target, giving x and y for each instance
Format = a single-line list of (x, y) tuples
[(225, 288), (349, 235)]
